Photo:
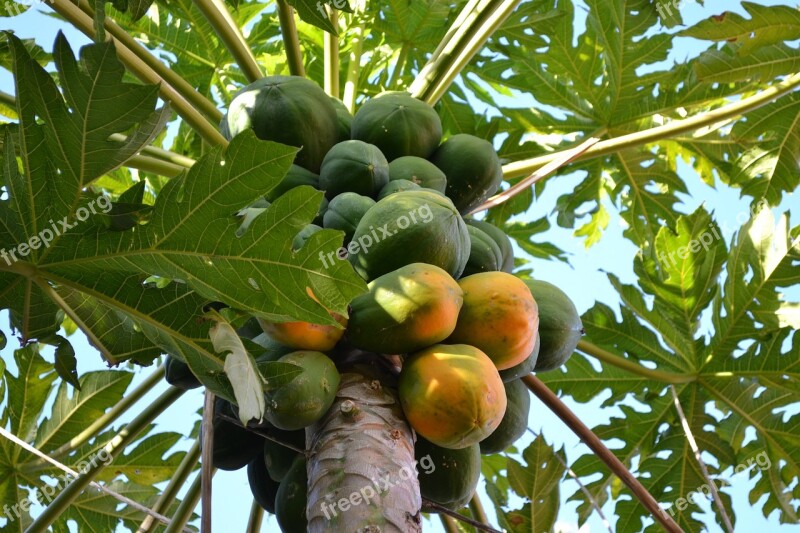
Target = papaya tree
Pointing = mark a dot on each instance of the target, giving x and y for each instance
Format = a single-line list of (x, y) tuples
[(192, 192)]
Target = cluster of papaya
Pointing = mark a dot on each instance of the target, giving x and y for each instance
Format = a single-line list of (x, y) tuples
[(441, 292)]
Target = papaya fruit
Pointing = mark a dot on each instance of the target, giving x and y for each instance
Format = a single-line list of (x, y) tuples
[(525, 367), (291, 499), (515, 421), (295, 177), (263, 488), (397, 186), (345, 212), (447, 477), (398, 124), (287, 109), (472, 168), (406, 310), (323, 208), (178, 374), (234, 446), (500, 238), (560, 325), (353, 166), (304, 400), (303, 235), (452, 395), (484, 254), (410, 227), (499, 316), (417, 170), (344, 119), (278, 458), (305, 335)]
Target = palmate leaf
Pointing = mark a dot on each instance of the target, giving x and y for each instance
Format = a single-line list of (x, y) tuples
[(764, 64), (148, 462), (736, 388)]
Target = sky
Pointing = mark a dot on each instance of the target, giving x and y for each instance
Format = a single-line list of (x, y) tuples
[(583, 279)]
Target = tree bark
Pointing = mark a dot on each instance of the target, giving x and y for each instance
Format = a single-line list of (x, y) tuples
[(361, 468)]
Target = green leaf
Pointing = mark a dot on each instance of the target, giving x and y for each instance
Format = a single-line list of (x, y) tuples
[(277, 374), (66, 364), (538, 482), (764, 64), (313, 12), (28, 390), (148, 462)]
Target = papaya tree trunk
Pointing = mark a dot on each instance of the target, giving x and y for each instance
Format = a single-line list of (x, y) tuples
[(361, 469)]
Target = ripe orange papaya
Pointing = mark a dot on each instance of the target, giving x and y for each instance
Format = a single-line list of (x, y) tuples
[(305, 335), (499, 316), (452, 395)]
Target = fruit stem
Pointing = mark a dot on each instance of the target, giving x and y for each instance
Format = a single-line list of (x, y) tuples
[(173, 487), (294, 57), (183, 101), (331, 48), (228, 32), (709, 119), (548, 397), (256, 517), (635, 368), (185, 509), (122, 439)]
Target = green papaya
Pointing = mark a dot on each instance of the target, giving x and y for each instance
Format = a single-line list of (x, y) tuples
[(514, 422), (178, 374), (304, 400), (354, 166), (472, 168), (405, 310), (417, 170), (447, 477), (484, 254), (291, 500), (287, 109), (525, 367), (323, 208), (399, 125), (397, 186), (234, 446), (345, 212), (303, 235), (344, 119), (278, 458), (263, 487), (500, 238), (560, 326), (296, 177), (410, 227)]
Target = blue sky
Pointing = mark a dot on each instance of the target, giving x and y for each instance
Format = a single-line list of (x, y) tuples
[(583, 279)]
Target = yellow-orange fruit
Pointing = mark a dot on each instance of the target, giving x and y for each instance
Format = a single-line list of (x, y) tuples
[(499, 316), (305, 335), (452, 395)]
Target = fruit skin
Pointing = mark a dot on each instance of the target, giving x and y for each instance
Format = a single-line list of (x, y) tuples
[(291, 500), (560, 325), (500, 238), (515, 421), (451, 476), (525, 367), (499, 316), (452, 395), (397, 186), (287, 109), (304, 400), (305, 335), (234, 446), (277, 458), (399, 125), (263, 488), (417, 170), (303, 235), (410, 227), (345, 212), (406, 310), (354, 166), (323, 208), (178, 374), (473, 170), (343, 117), (295, 177), (484, 254)]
